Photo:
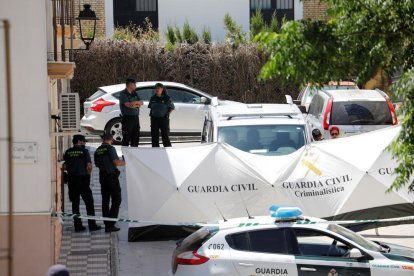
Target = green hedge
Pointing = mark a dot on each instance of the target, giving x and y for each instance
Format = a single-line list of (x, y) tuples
[(223, 71)]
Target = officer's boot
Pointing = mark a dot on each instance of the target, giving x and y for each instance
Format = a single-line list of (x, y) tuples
[(78, 225)]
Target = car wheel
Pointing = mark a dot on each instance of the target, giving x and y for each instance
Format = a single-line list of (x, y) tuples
[(114, 127)]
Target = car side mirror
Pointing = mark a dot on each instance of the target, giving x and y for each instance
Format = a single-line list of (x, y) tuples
[(355, 253), (302, 108), (203, 100)]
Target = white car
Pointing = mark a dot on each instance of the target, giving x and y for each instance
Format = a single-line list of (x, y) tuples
[(351, 111), (102, 111), (286, 246), (306, 94), (267, 129)]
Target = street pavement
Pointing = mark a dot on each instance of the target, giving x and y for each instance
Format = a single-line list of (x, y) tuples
[(87, 253), (112, 254)]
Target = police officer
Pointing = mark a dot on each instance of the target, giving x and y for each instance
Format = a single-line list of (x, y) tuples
[(161, 106), (106, 159), (79, 167), (130, 103)]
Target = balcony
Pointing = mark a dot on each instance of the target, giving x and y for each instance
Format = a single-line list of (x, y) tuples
[(60, 63)]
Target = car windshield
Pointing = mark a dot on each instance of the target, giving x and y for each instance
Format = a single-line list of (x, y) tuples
[(264, 139), (361, 113), (356, 238)]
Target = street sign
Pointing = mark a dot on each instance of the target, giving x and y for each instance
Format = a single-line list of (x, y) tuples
[(25, 152)]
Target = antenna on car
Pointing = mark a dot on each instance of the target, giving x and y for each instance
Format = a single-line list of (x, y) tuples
[(224, 219), (245, 207)]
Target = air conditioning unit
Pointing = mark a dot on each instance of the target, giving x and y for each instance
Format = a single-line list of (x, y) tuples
[(69, 112)]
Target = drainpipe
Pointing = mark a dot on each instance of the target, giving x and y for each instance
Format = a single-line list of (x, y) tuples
[(9, 139)]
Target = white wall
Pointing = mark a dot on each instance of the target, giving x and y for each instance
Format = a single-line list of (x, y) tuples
[(32, 187), (298, 6), (203, 13)]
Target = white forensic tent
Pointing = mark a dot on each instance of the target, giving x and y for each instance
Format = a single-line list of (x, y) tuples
[(341, 178)]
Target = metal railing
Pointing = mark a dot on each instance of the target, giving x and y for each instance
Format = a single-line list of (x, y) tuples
[(63, 17)]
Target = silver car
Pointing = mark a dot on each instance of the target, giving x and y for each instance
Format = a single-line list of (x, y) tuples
[(102, 111), (351, 111)]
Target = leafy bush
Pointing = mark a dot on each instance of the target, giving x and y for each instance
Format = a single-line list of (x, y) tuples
[(135, 33)]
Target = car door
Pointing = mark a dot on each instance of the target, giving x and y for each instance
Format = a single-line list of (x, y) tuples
[(189, 113), (324, 255), (262, 252), (315, 114), (145, 93)]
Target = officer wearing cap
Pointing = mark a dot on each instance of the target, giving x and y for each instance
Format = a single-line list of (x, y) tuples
[(317, 135), (161, 106), (79, 167), (130, 103), (106, 159)]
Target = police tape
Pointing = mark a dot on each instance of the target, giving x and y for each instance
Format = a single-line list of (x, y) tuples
[(64, 215), (251, 221)]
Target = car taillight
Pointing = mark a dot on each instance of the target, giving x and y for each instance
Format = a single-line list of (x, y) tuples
[(392, 110), (191, 258), (327, 115), (99, 104)]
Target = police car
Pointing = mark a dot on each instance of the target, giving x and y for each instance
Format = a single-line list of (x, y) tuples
[(286, 244), (265, 129)]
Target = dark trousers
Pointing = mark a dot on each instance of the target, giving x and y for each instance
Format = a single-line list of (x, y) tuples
[(79, 186), (158, 124), (130, 131), (111, 193)]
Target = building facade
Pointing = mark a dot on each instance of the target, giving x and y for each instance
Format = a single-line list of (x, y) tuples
[(201, 14), (39, 71)]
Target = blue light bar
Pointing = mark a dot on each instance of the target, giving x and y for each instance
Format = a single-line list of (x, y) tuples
[(285, 212)]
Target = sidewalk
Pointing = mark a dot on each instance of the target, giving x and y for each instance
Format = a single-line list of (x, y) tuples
[(87, 253)]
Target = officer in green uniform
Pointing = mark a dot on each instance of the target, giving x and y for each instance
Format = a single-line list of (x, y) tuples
[(106, 159), (130, 103), (79, 167), (161, 106)]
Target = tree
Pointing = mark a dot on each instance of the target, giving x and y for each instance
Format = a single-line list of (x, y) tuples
[(361, 37), (234, 33), (206, 35)]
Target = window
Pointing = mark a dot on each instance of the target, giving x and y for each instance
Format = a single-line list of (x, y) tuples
[(181, 96), (311, 93), (355, 237), (276, 241), (315, 243), (146, 5), (361, 113), (316, 106), (96, 95), (260, 4), (239, 241), (284, 4), (145, 94), (264, 139)]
